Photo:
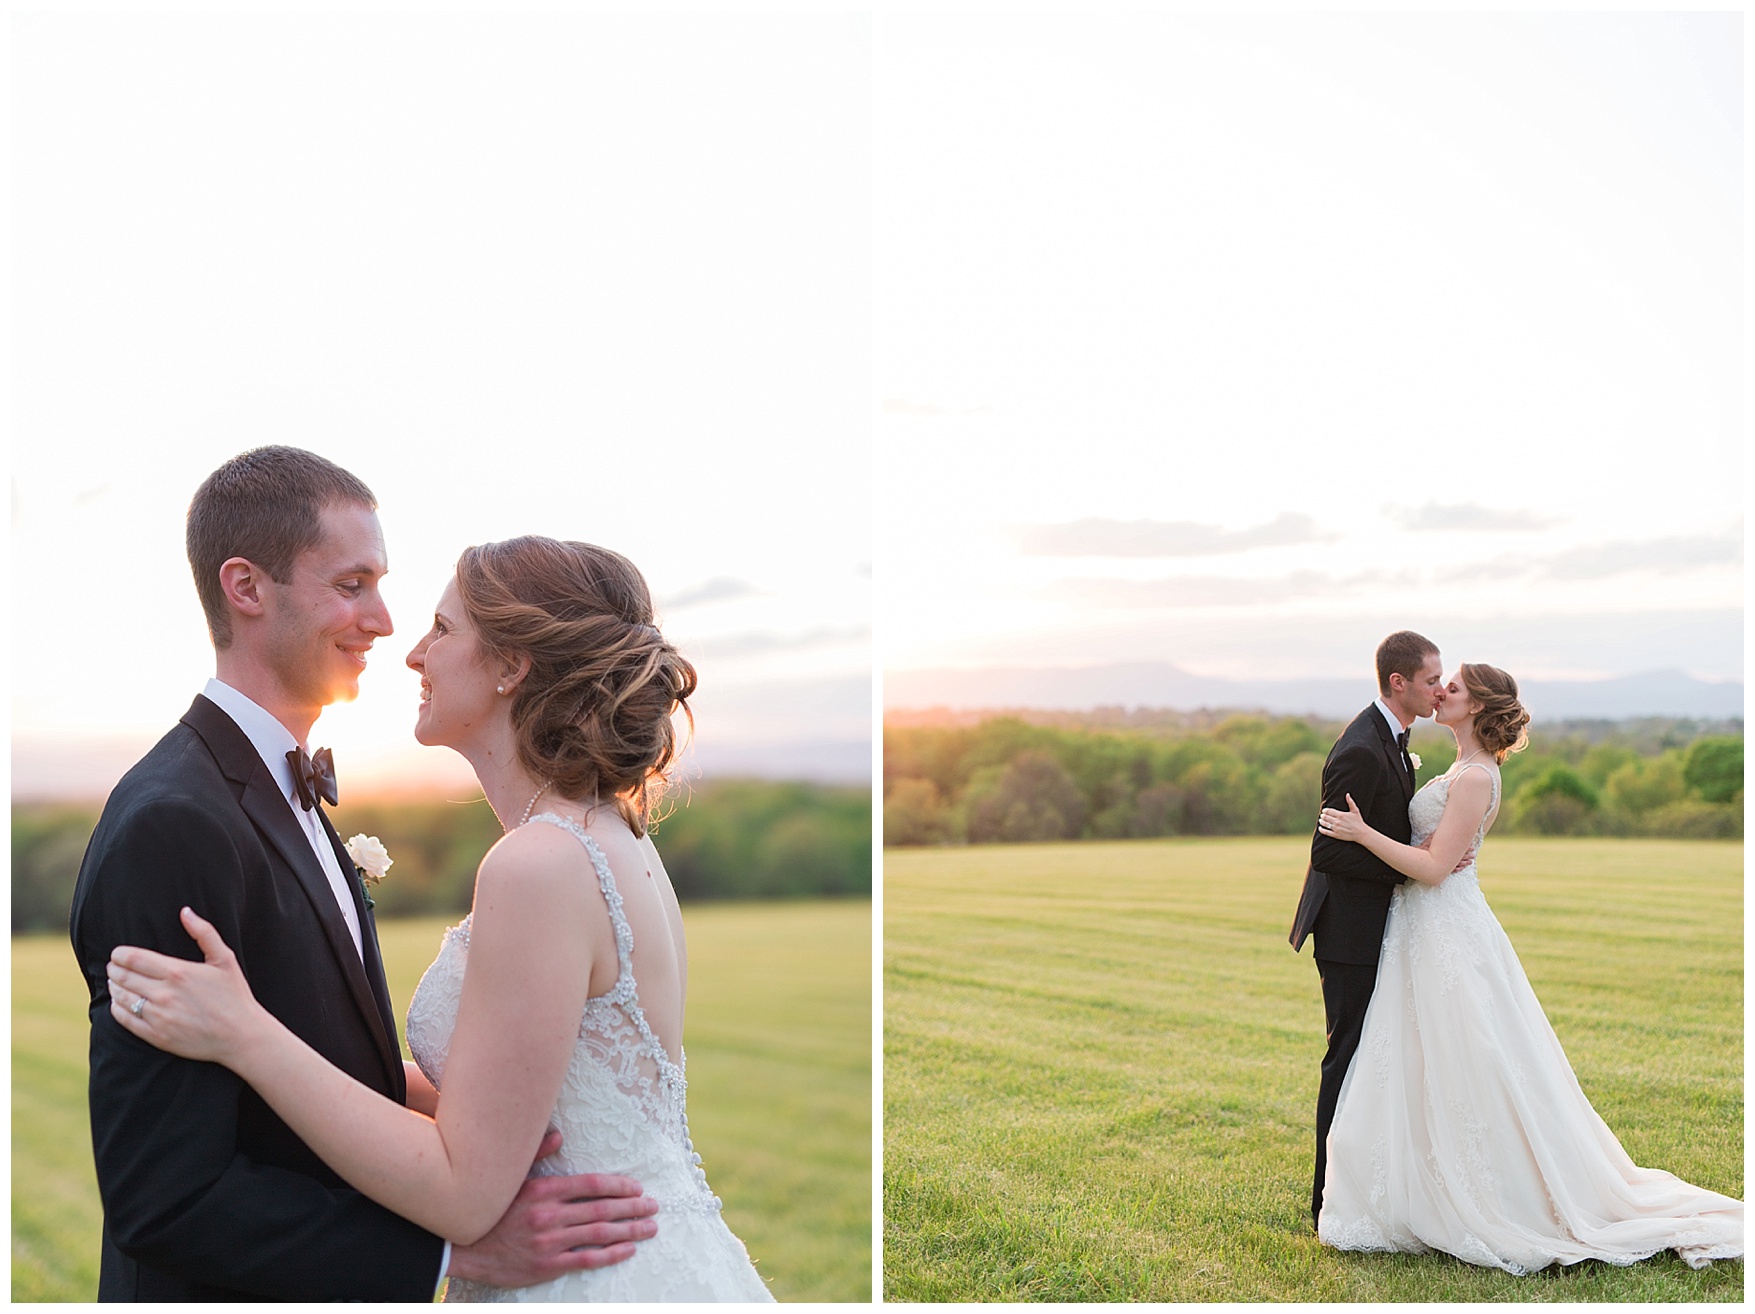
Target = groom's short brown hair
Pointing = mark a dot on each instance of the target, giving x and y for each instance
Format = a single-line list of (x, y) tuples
[(1402, 653), (265, 506)]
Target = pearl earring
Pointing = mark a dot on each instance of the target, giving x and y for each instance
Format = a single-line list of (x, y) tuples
[(502, 688)]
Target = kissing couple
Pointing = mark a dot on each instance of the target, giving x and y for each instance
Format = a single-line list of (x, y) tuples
[(256, 1133), (1448, 1117)]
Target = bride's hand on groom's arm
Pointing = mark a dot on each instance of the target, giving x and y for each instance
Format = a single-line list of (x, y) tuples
[(201, 1010), (1349, 825), (558, 1225), (1443, 850), (205, 1011)]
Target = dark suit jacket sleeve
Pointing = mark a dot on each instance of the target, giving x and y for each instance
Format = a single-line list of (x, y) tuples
[(1357, 769), (177, 1194)]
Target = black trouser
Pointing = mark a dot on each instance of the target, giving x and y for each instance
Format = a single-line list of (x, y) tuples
[(1346, 992)]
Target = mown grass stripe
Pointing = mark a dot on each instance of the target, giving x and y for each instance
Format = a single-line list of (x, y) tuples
[(779, 1047), (1100, 1064)]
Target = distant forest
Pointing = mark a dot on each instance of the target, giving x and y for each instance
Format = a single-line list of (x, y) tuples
[(974, 778), (724, 839)]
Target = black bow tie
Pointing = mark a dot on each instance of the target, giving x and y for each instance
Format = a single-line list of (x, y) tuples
[(1401, 742), (314, 777)]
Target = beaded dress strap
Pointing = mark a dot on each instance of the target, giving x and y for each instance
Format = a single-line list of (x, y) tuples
[(623, 992), (1492, 782)]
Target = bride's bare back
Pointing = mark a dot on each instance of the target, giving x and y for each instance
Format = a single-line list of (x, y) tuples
[(620, 1106), (660, 956)]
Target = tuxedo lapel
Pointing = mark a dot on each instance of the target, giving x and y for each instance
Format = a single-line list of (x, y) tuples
[(265, 805), (272, 815), (1392, 754), (1404, 776), (374, 961)]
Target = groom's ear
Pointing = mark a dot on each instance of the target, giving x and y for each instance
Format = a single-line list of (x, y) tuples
[(241, 582)]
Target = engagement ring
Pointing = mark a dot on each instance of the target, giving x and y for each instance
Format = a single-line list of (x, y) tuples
[(138, 1004)]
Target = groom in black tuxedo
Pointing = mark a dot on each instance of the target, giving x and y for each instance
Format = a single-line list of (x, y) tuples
[(1345, 902), (207, 1195)]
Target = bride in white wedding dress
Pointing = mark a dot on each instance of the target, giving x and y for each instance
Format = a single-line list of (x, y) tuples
[(1461, 1127), (558, 1002)]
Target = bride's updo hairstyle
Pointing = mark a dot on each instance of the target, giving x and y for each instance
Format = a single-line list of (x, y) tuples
[(1501, 725), (593, 715)]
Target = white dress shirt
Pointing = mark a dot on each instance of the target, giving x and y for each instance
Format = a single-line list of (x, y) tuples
[(273, 741), (1396, 728)]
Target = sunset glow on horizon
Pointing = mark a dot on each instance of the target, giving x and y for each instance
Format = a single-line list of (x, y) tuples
[(594, 276), (1237, 341)]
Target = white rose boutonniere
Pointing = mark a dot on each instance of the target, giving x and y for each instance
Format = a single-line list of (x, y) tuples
[(371, 860), (1412, 757)]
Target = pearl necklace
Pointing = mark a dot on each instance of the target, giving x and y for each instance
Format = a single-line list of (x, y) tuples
[(1457, 766), (528, 806)]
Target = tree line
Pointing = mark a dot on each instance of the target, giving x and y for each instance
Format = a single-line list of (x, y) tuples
[(1115, 774), (723, 839)]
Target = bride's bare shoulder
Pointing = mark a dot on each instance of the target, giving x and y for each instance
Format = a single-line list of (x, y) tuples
[(537, 857), (1470, 788), (540, 849), (1482, 774)]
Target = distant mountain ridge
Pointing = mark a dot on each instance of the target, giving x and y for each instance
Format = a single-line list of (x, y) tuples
[(1670, 692)]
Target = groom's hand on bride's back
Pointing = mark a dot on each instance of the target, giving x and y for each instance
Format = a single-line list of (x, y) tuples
[(556, 1225)]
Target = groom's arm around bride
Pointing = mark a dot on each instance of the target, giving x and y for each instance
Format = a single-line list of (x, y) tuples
[(207, 1194), (1347, 887), (1358, 766)]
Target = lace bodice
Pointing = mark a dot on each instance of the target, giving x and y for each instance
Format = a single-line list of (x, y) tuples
[(621, 1109), (1426, 810)]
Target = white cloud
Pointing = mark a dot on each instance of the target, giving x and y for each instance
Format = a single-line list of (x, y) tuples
[(1096, 536), (722, 646), (1664, 556), (1218, 591), (720, 588), (1676, 555), (1708, 643), (1468, 516)]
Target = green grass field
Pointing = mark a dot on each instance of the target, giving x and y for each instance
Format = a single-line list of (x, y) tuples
[(779, 1042), (1100, 1064)]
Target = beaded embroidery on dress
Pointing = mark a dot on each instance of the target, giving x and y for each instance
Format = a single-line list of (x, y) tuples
[(1461, 1127), (621, 1109)]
